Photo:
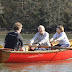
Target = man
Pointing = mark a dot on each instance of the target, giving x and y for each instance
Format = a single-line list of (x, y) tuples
[(42, 36), (13, 39)]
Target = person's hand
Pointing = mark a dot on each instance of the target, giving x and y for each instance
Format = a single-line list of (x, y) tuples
[(54, 41), (30, 44), (22, 49), (36, 45)]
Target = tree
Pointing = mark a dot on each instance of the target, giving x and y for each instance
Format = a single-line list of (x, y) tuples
[(32, 13)]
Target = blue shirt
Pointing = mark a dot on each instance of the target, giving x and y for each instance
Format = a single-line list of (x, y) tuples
[(42, 39), (63, 37)]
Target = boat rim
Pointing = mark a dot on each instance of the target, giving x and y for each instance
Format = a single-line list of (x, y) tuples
[(48, 51)]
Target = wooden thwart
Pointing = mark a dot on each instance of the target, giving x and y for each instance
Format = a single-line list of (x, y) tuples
[(6, 49)]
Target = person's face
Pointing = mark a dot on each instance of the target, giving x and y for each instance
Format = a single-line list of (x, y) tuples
[(41, 30), (20, 29), (58, 30)]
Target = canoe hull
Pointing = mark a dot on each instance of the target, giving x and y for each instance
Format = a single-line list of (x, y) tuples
[(38, 57)]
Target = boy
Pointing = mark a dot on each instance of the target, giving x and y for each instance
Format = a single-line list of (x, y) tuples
[(13, 39)]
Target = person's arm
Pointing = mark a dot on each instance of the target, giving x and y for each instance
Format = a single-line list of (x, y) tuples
[(61, 37), (51, 39), (21, 43), (54, 36), (4, 42), (4, 45), (33, 39)]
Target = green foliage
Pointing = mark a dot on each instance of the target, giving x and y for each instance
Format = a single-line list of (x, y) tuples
[(32, 13)]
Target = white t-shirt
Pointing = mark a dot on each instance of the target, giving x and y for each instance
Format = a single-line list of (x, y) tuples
[(63, 37)]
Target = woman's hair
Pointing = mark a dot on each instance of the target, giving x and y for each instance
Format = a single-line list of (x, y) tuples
[(61, 28), (17, 26)]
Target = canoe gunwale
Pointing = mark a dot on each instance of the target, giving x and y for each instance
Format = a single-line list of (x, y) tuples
[(49, 51)]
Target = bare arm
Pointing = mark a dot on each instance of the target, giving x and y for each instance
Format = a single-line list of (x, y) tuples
[(33, 39), (51, 39)]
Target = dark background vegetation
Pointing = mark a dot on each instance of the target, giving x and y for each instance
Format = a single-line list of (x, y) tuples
[(32, 13)]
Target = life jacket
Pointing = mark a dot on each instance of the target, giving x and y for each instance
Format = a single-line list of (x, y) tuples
[(11, 40)]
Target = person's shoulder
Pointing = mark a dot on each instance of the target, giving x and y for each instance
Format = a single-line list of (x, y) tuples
[(37, 33), (56, 33), (10, 33), (63, 33), (46, 33)]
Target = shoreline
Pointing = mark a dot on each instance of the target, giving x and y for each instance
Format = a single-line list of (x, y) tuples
[(5, 32)]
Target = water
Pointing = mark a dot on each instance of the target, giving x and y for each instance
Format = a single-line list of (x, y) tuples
[(56, 66)]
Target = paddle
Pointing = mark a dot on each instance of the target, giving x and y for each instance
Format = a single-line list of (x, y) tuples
[(56, 47), (52, 47), (25, 44)]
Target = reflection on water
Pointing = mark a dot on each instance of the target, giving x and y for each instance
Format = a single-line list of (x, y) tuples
[(57, 66)]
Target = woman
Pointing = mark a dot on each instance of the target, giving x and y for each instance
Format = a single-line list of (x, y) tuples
[(61, 37)]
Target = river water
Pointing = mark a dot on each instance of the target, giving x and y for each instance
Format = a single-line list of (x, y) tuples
[(55, 66)]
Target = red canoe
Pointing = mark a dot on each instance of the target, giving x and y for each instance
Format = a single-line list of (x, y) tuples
[(35, 56)]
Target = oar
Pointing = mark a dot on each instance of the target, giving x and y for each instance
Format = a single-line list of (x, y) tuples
[(53, 47), (57, 47), (25, 44)]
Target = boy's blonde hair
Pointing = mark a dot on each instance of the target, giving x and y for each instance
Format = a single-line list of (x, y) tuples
[(17, 26)]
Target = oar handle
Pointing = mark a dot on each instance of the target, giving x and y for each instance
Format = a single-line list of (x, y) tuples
[(57, 47), (25, 44), (54, 47)]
